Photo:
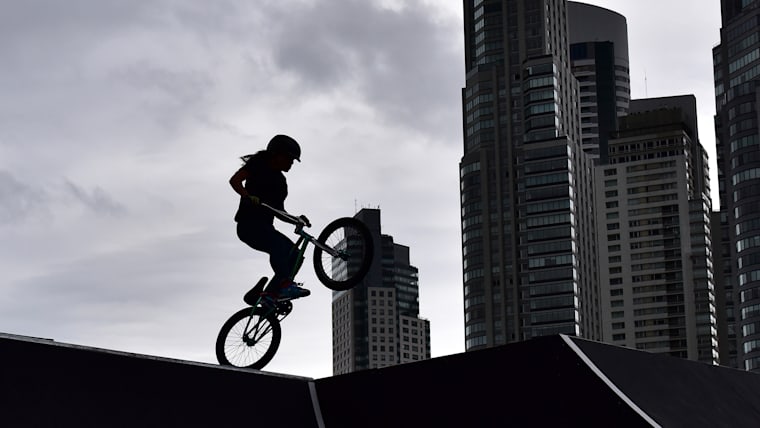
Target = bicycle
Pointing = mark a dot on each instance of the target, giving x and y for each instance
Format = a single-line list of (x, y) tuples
[(342, 257)]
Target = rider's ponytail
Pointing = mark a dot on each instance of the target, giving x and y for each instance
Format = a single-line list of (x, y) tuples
[(262, 154)]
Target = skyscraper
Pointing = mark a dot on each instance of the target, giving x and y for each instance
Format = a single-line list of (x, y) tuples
[(654, 207), (377, 324), (725, 305), (599, 56), (736, 62), (528, 236)]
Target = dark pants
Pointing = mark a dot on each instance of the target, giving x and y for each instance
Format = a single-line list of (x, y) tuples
[(264, 237)]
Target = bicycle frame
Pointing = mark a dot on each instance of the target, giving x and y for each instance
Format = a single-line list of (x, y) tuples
[(303, 241), (304, 238)]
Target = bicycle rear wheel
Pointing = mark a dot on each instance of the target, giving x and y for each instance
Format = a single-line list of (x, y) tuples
[(249, 339), (352, 241)]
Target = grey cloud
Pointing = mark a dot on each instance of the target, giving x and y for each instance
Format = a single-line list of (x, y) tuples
[(19, 200), (122, 68), (390, 56), (163, 66), (36, 15), (97, 201), (164, 98), (182, 87), (148, 291), (40, 32)]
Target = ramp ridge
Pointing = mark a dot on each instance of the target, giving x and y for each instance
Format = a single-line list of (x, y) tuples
[(315, 404), (607, 381)]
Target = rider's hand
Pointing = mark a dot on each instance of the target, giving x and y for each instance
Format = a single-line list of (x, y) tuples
[(254, 199), (305, 221)]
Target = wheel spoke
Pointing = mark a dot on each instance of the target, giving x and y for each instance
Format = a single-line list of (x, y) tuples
[(351, 257), (349, 249)]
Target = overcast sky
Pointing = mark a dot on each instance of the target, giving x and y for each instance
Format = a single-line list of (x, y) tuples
[(121, 123)]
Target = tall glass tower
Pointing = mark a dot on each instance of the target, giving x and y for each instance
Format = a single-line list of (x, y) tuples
[(736, 62), (599, 56), (526, 206)]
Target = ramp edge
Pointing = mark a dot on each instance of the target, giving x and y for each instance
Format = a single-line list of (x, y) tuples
[(608, 382), (52, 342)]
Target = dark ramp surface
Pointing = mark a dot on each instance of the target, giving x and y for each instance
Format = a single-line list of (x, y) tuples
[(538, 383), (551, 381), (49, 384), (555, 381), (677, 392)]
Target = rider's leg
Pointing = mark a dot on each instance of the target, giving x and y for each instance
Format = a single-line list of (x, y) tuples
[(282, 257), (266, 238)]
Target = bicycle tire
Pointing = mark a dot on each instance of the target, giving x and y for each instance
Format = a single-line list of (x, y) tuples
[(232, 349), (352, 236)]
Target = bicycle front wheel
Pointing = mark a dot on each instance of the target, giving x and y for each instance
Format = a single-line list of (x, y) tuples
[(249, 339), (350, 242)]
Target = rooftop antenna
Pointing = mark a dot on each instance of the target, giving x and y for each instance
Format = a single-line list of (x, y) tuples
[(646, 88)]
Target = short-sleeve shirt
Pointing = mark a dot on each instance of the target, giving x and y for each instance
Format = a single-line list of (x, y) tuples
[(269, 185)]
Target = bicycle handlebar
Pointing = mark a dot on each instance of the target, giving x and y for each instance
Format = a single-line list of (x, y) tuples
[(287, 217)]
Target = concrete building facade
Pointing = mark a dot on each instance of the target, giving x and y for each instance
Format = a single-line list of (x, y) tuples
[(654, 232)]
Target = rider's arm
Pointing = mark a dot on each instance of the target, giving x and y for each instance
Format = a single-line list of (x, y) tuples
[(236, 181)]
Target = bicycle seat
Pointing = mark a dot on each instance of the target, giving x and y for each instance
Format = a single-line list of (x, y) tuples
[(252, 296)]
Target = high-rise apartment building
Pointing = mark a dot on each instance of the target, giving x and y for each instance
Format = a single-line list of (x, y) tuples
[(376, 323), (725, 305), (654, 208), (599, 57), (528, 237), (736, 62)]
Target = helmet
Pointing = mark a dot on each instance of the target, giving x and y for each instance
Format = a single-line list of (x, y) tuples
[(286, 145)]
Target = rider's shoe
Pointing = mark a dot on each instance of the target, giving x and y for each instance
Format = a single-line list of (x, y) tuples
[(290, 290)]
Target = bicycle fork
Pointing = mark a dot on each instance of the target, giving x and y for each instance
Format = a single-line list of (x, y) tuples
[(262, 327), (252, 334)]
